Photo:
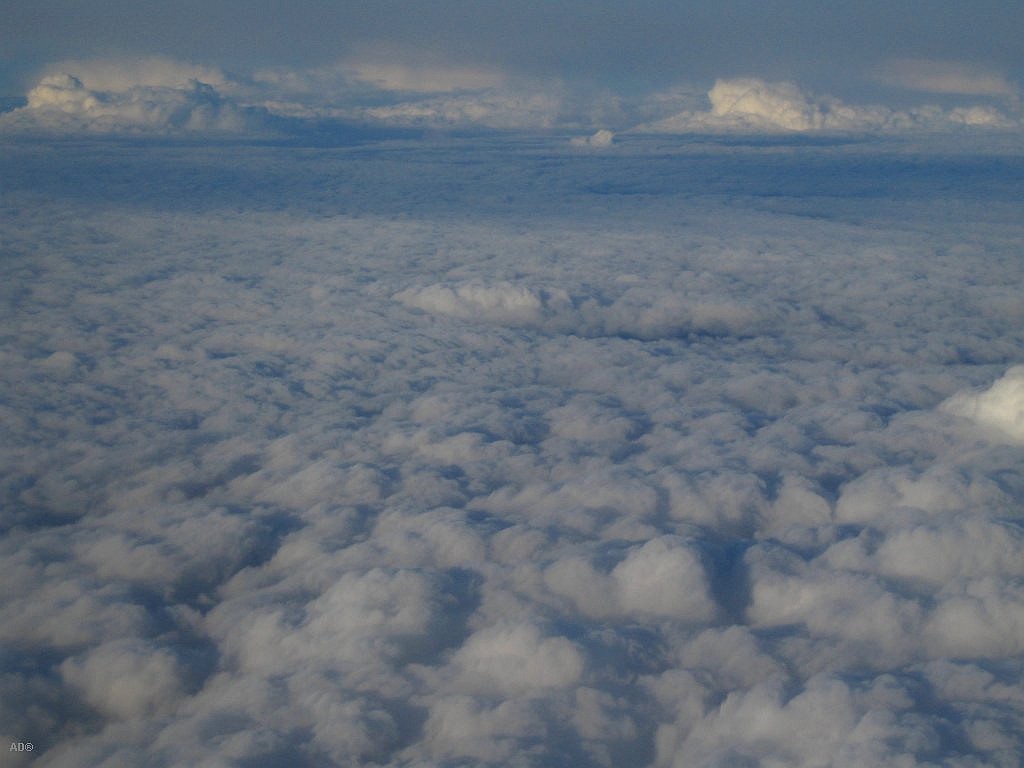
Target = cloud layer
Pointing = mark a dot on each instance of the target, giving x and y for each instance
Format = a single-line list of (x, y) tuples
[(500, 451)]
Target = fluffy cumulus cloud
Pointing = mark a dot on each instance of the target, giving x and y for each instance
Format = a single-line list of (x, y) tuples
[(63, 103), (600, 138), (660, 578), (505, 451), (755, 105), (125, 679), (1000, 407)]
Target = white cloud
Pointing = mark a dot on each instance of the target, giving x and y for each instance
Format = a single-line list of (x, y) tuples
[(939, 554), (516, 659), (984, 621), (754, 105), (1000, 408), (463, 727), (600, 138), (383, 88), (662, 578), (62, 102), (126, 679), (826, 722), (761, 105)]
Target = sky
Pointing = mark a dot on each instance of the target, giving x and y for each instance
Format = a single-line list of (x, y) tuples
[(599, 40), (428, 387)]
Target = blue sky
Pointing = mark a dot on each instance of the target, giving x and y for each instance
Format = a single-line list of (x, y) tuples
[(663, 38)]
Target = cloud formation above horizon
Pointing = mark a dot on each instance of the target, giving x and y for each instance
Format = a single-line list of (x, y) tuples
[(752, 105), (62, 103), (157, 94)]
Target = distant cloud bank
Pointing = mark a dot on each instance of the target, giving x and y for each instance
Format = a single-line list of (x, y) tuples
[(753, 105), (162, 95), (63, 103)]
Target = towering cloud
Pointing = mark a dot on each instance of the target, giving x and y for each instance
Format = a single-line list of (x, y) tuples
[(753, 105), (62, 102)]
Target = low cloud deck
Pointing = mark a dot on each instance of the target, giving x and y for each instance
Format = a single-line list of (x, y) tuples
[(507, 451)]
